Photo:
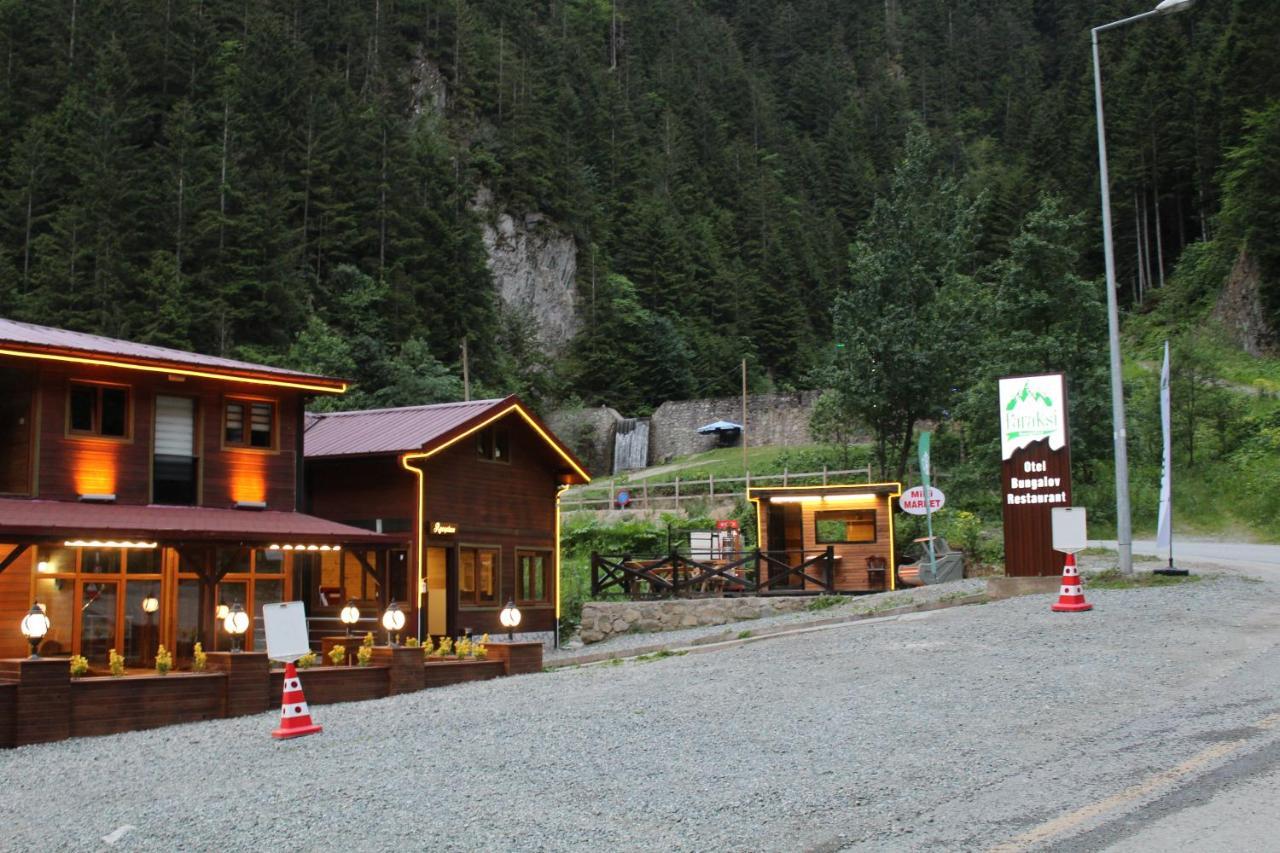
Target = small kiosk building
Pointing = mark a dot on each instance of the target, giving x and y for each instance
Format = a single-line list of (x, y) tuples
[(855, 521)]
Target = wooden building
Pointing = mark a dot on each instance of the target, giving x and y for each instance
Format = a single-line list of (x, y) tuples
[(142, 487), (473, 488), (855, 521)]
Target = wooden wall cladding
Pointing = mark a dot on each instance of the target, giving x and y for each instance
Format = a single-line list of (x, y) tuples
[(15, 601), (326, 685), (361, 489), (103, 706), (72, 465), (42, 699), (510, 505), (445, 672), (40, 702), (8, 709), (851, 564), (521, 658)]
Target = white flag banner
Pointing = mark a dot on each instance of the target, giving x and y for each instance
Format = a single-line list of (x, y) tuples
[(1164, 533)]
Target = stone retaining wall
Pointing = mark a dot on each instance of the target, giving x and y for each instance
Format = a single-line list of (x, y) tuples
[(604, 619)]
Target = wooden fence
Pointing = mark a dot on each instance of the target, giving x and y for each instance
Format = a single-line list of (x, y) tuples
[(670, 494), (677, 576)]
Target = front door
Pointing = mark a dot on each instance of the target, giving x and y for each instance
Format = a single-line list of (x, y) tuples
[(437, 601)]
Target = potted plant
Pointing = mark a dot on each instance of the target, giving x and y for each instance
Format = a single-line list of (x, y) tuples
[(365, 654), (367, 642), (411, 643), (115, 661), (337, 655), (463, 647), (445, 651), (164, 660), (79, 666), (308, 660), (199, 660), (480, 651)]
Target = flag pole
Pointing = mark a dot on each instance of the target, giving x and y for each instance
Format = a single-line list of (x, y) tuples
[(1164, 523)]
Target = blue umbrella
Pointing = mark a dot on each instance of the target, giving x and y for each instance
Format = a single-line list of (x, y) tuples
[(719, 426)]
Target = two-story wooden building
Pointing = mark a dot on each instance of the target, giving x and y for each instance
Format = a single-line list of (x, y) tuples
[(474, 487), (142, 487)]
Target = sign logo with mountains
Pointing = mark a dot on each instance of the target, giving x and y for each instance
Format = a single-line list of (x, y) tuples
[(1030, 410)]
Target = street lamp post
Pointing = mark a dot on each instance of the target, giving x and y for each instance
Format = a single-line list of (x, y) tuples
[(1124, 531)]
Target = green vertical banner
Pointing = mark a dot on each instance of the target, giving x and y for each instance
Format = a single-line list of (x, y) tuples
[(925, 438)]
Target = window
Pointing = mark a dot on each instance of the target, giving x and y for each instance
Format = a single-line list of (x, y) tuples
[(478, 576), (494, 445), (845, 526), (249, 424), (98, 410), (533, 577)]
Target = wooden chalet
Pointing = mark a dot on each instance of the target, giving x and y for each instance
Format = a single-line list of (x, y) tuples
[(142, 487), (854, 521), (473, 488)]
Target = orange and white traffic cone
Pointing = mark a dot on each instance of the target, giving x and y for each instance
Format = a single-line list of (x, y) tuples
[(295, 719), (1071, 598)]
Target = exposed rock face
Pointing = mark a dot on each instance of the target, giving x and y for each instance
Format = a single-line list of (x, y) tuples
[(429, 89), (604, 619), (776, 419), (533, 267), (1241, 311), (589, 434)]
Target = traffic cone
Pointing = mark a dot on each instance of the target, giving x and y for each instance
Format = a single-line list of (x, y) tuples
[(1071, 598), (295, 719)]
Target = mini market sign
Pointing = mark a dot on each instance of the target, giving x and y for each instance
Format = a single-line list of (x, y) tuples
[(913, 502), (1035, 457)]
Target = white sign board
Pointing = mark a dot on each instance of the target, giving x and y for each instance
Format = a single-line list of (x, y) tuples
[(286, 627), (1069, 529), (912, 500), (1032, 408)]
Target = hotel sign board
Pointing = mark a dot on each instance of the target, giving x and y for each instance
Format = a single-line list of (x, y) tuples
[(1035, 453)]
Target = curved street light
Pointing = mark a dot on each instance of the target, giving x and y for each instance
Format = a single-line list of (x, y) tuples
[(1124, 529)]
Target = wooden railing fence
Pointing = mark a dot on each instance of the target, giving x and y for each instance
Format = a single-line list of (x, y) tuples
[(670, 494), (678, 576)]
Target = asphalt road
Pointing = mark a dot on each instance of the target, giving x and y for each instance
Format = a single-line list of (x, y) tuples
[(1229, 556)]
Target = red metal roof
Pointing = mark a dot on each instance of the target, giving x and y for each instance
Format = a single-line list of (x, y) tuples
[(59, 519), (29, 337), (416, 428), (387, 430)]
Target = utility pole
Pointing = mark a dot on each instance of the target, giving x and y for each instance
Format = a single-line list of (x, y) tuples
[(746, 471), (466, 374)]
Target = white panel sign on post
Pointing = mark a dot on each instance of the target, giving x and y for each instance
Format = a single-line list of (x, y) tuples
[(286, 628), (1069, 533)]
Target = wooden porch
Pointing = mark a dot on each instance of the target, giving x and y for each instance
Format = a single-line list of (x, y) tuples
[(675, 575)]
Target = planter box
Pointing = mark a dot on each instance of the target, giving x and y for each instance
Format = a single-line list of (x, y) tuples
[(445, 672), (8, 710), (325, 685), (107, 705), (521, 658)]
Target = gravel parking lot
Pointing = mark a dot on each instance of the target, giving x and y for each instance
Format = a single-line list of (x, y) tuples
[(950, 730)]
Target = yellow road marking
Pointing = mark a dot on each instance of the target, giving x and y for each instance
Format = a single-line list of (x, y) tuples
[(1165, 778)]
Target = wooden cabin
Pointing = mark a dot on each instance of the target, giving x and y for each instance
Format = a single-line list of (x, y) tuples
[(474, 490), (142, 487), (796, 523)]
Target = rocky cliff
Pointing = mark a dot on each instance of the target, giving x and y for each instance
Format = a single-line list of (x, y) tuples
[(533, 266)]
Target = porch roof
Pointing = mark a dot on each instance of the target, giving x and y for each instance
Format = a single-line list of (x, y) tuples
[(40, 519), (890, 489)]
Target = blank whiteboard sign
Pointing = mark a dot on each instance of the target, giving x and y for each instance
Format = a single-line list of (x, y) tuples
[(286, 627), (1069, 529)]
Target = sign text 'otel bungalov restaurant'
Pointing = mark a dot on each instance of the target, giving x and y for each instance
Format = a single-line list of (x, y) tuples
[(1035, 450)]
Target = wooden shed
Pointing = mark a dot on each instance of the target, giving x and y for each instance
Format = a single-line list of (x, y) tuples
[(855, 521)]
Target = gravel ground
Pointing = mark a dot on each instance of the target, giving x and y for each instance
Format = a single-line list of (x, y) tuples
[(949, 730), (853, 605)]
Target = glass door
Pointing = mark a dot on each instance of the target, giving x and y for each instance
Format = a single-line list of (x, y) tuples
[(98, 622)]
